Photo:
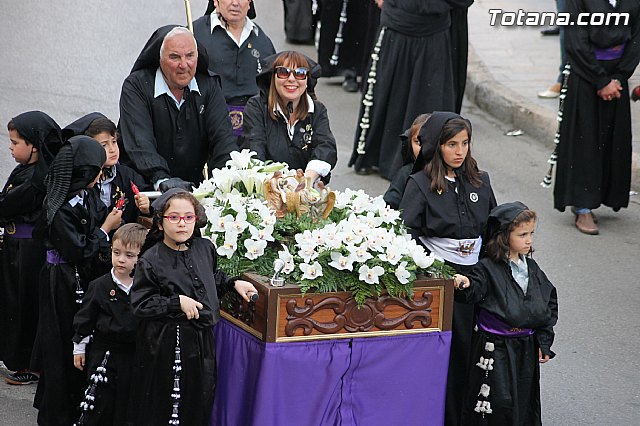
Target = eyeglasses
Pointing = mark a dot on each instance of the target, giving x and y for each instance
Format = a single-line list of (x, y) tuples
[(298, 73), (174, 218)]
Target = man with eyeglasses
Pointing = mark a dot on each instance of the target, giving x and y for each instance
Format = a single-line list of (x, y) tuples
[(173, 117), (236, 46)]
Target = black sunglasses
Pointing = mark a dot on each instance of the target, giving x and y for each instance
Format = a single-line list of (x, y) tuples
[(299, 73)]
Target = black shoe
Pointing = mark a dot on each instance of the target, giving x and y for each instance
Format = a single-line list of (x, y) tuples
[(551, 31), (363, 171), (22, 377), (350, 85)]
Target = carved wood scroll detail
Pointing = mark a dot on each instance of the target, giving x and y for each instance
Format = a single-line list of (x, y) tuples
[(346, 314)]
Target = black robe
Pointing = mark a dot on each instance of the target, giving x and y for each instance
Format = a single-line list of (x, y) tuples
[(450, 215), (413, 75), (22, 258), (352, 48), (594, 149), (236, 66), (300, 21), (393, 195), (161, 276), (106, 315), (270, 139), (76, 235), (161, 141), (515, 378)]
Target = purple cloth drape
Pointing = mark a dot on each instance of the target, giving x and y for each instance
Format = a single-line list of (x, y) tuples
[(349, 382)]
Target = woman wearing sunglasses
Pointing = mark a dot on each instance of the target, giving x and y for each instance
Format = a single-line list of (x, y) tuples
[(285, 122)]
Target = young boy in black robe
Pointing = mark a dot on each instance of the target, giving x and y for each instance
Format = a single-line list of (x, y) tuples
[(34, 140), (118, 183), (517, 310), (175, 295), (105, 333), (75, 227)]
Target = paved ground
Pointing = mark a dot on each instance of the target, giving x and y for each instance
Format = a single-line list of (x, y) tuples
[(510, 65)]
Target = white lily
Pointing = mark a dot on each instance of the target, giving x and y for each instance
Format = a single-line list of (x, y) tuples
[(240, 160), (265, 233)]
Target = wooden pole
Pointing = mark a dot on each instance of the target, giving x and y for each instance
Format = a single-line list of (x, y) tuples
[(187, 5)]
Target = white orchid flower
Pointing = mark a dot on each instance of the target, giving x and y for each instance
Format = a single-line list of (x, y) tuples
[(227, 249), (370, 275), (402, 274), (265, 233), (255, 249), (240, 222), (311, 272), (392, 255), (307, 252), (360, 253), (340, 261)]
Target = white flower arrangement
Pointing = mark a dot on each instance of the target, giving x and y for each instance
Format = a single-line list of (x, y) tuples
[(362, 246)]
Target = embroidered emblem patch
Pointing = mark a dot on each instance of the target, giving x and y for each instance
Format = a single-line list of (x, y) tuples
[(237, 119), (465, 248), (473, 197)]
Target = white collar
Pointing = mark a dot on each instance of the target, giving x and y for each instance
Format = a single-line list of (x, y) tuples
[(161, 87), (246, 30), (120, 284), (78, 199)]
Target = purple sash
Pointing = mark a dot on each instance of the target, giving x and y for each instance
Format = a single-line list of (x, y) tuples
[(494, 325), (610, 53), (55, 258), (19, 230), (236, 115)]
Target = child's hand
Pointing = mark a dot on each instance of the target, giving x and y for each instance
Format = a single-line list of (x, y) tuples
[(190, 307), (542, 358), (460, 282), (142, 203), (112, 221), (245, 289), (78, 361)]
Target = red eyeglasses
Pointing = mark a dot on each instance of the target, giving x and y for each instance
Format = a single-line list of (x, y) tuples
[(175, 218), (299, 73)]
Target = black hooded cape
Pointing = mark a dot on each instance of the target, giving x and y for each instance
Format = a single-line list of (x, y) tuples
[(515, 378), (121, 184), (21, 256), (459, 212), (73, 232), (161, 141)]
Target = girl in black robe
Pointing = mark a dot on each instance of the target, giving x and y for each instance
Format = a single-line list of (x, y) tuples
[(293, 131), (594, 140), (175, 294), (410, 73), (35, 138), (445, 206), (75, 228), (517, 310)]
